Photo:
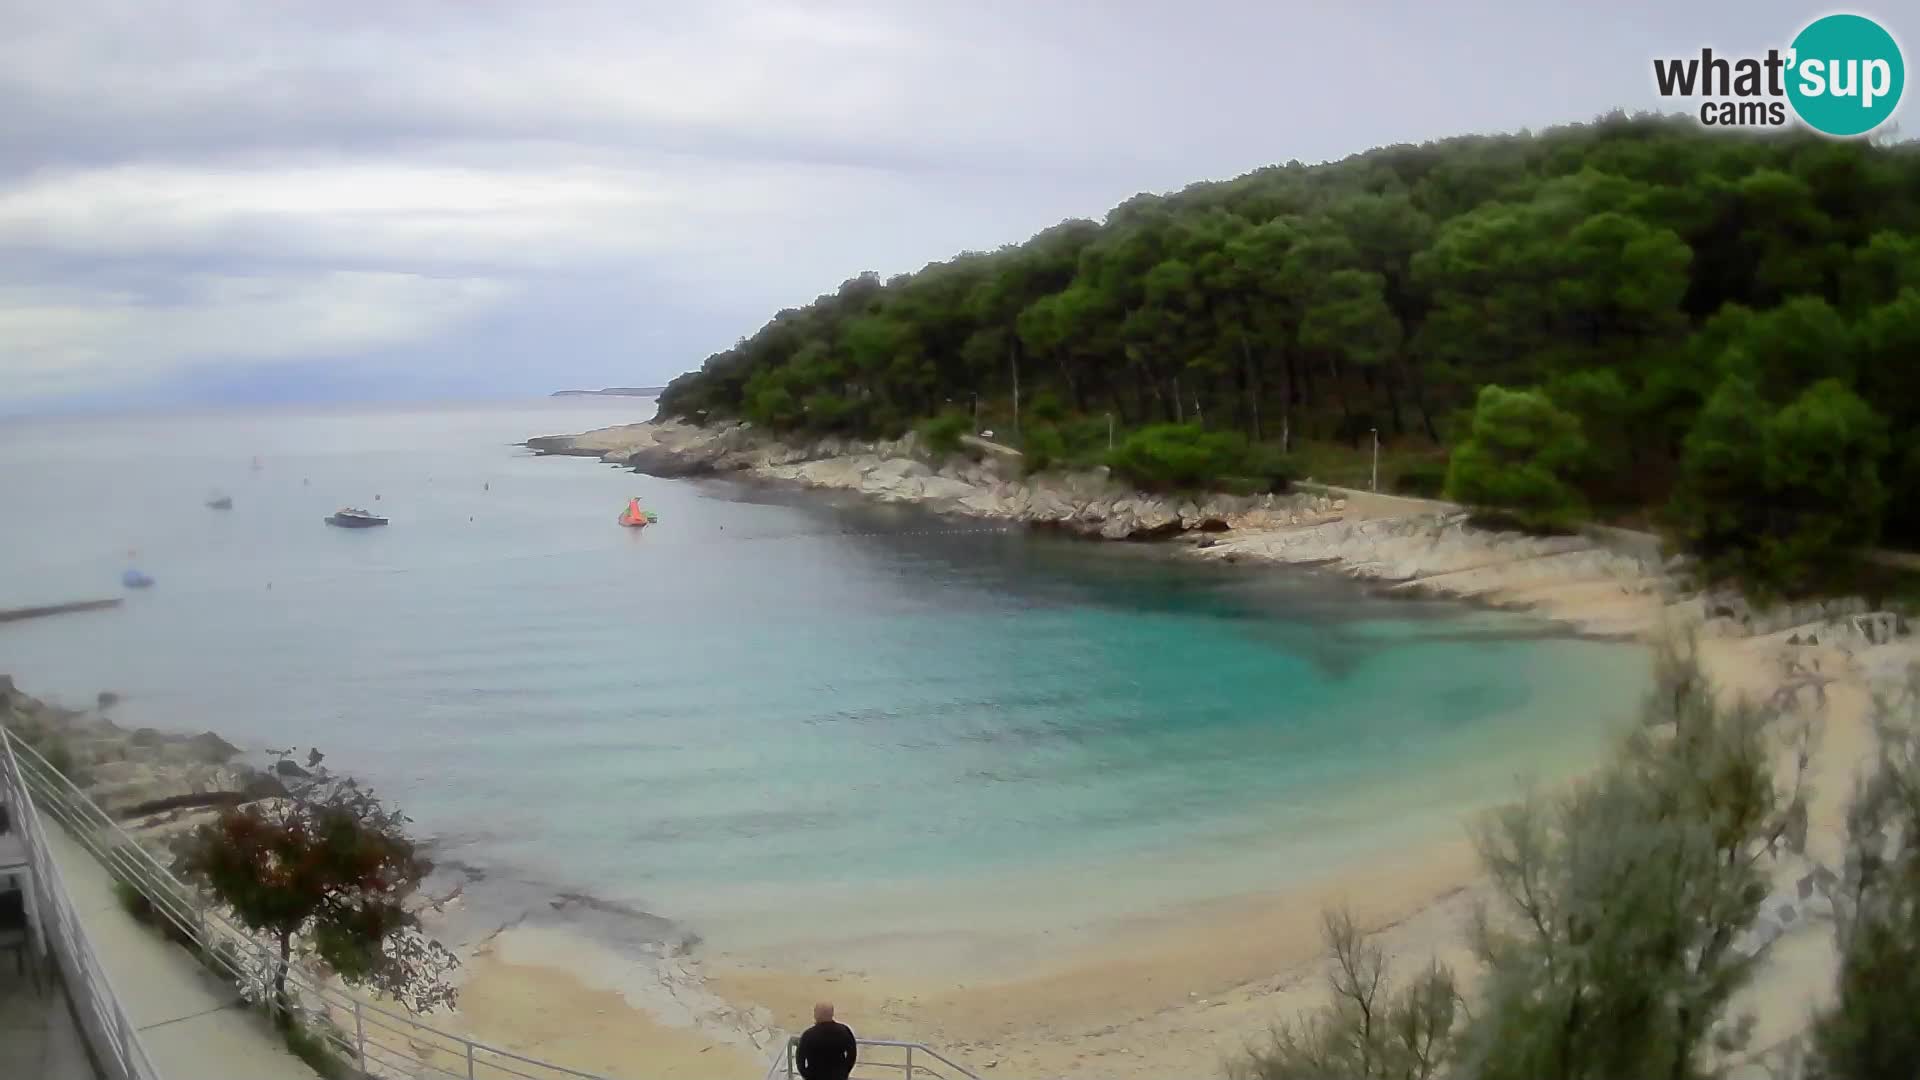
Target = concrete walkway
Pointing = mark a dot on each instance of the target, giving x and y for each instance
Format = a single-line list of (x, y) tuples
[(192, 1023), (37, 1034)]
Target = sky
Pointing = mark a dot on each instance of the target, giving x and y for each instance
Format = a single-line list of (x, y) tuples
[(213, 202)]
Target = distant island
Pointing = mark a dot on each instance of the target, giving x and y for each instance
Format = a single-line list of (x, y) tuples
[(613, 391)]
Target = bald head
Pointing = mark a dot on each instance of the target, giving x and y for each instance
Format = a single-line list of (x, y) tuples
[(822, 1012)]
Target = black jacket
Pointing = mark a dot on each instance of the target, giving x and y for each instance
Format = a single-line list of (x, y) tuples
[(826, 1052)]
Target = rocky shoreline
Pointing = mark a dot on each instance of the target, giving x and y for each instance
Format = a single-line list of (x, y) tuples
[(985, 483), (1595, 584), (1605, 583), (145, 778)]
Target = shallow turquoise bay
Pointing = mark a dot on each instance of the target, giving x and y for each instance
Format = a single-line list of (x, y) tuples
[(769, 698)]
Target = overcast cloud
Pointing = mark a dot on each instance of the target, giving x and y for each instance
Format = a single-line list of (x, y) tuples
[(219, 201)]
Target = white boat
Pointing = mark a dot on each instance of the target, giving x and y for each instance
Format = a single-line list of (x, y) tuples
[(350, 518)]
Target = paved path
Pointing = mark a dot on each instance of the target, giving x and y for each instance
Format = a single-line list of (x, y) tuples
[(37, 1035), (192, 1023)]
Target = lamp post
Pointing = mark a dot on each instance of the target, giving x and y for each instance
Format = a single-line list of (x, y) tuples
[(1374, 483)]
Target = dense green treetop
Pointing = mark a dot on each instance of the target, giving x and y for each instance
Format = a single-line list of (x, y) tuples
[(1626, 268)]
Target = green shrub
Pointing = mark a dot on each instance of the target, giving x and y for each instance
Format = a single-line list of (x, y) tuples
[(1514, 463), (58, 756), (831, 413), (1086, 439), (770, 404), (1273, 470), (1173, 457), (1426, 479), (1047, 408), (942, 433), (1781, 499), (1042, 449), (133, 902), (320, 1054), (136, 903), (882, 422)]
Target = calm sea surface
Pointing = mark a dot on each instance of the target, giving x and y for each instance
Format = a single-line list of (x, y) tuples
[(769, 702)]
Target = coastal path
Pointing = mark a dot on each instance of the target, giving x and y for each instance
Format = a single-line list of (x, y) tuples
[(193, 1023)]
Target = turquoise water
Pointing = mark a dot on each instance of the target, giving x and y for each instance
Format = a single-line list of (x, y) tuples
[(768, 698)]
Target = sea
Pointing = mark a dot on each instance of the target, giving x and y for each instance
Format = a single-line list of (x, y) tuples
[(773, 716)]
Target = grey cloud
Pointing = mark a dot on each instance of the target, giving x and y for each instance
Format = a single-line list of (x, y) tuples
[(639, 184)]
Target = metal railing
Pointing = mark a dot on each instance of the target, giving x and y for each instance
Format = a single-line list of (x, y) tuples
[(376, 1041), (99, 1009), (932, 1064)]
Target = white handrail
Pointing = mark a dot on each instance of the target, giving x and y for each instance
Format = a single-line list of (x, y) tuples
[(100, 1009), (221, 941), (782, 1063)]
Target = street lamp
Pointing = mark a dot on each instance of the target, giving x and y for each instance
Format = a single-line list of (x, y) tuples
[(1374, 484)]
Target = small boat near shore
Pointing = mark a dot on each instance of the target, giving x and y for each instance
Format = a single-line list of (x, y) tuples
[(350, 518), (633, 517)]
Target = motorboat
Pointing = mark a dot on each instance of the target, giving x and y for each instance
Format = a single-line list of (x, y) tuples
[(633, 517), (134, 579), (350, 518), (220, 502)]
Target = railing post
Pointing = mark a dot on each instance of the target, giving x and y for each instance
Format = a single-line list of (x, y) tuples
[(269, 977), (469, 1061), (909, 1062), (359, 1037)]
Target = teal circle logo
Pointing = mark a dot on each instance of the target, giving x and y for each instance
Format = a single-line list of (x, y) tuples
[(1847, 75)]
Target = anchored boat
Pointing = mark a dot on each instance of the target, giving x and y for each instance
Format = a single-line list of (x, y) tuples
[(350, 518)]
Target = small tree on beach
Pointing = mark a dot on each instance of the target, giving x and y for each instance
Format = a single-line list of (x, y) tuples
[(1618, 946), (328, 870), (1367, 1031), (1619, 934)]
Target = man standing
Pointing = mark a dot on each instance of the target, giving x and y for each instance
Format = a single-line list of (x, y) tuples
[(826, 1050)]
